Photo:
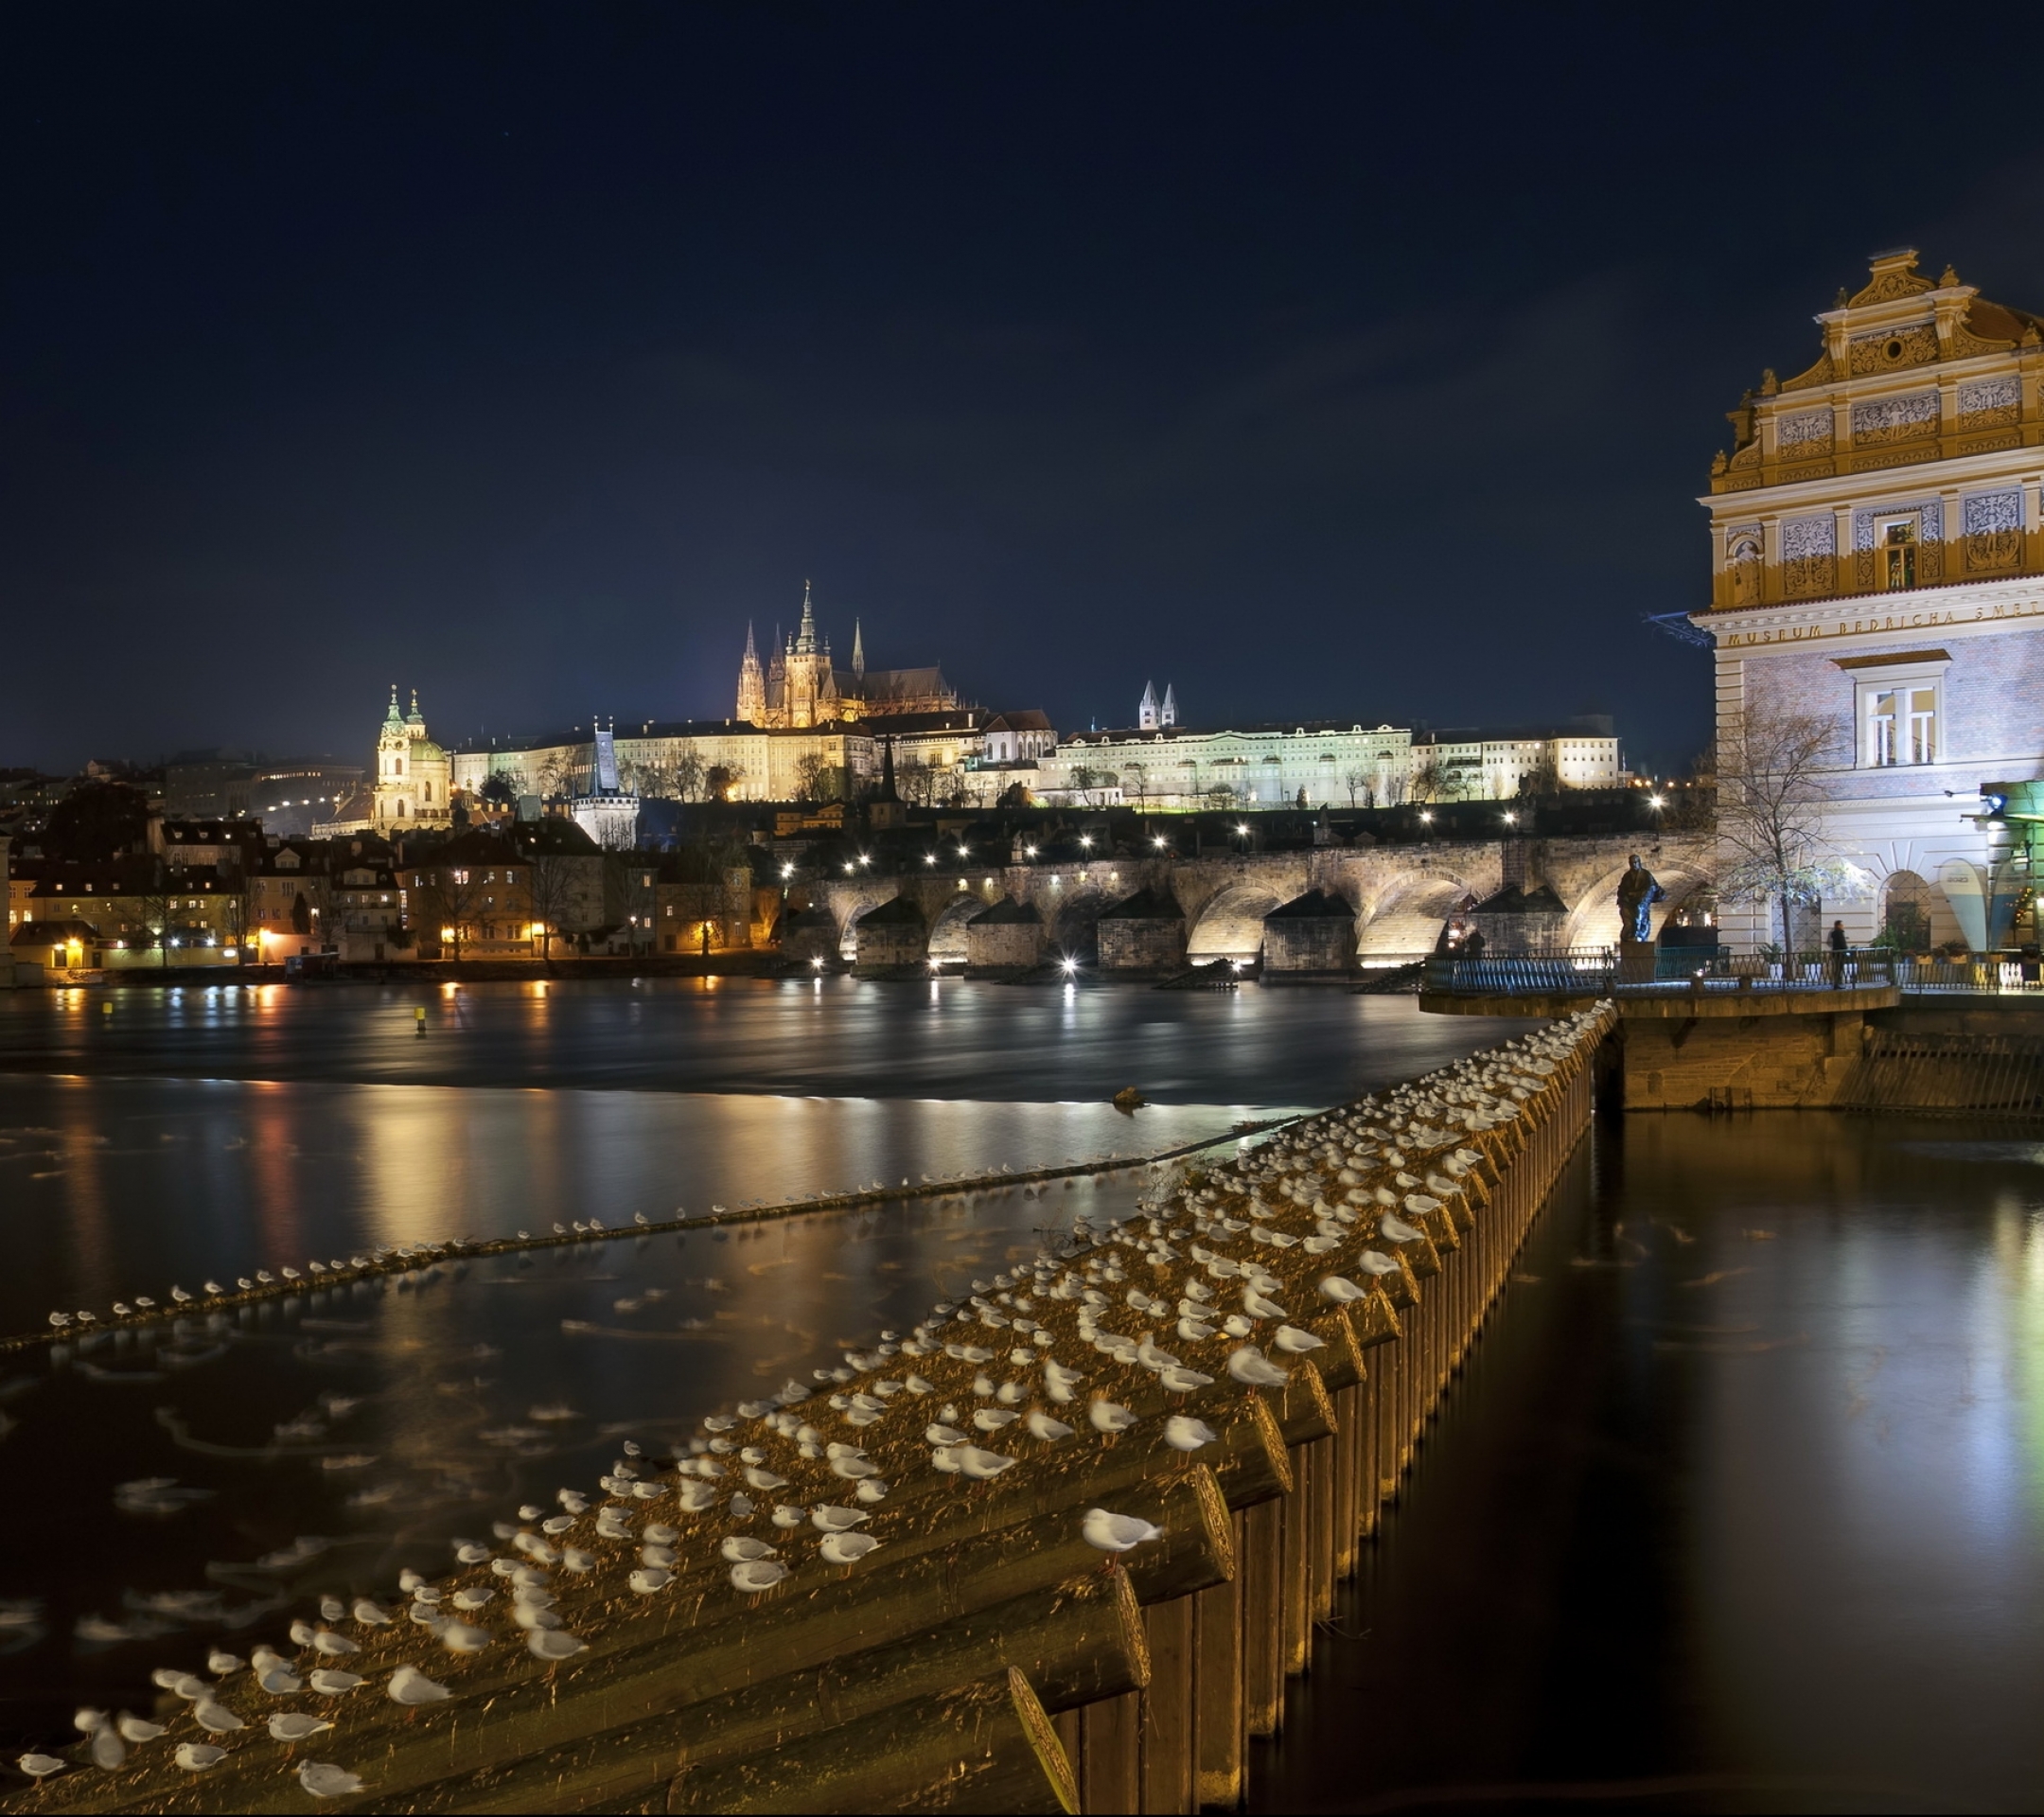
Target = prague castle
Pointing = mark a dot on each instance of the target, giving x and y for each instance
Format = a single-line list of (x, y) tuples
[(1878, 566), (801, 687)]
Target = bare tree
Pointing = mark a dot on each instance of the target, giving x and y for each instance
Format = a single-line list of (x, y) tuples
[(810, 773), (1426, 776), (1542, 778), (687, 773), (454, 894), (1770, 798), (559, 777), (552, 883)]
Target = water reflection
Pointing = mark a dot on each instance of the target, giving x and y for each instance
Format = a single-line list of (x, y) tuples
[(178, 1485), (1738, 1504)]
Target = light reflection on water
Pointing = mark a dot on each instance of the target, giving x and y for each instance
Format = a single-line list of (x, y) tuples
[(1751, 1460), (413, 1411)]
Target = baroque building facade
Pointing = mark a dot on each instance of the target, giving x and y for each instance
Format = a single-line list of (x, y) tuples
[(1877, 563), (413, 778), (802, 686)]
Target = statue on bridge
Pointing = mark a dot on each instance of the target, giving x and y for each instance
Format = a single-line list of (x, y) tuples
[(1638, 890)]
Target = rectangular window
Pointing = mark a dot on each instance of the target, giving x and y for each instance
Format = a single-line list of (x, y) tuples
[(1901, 726)]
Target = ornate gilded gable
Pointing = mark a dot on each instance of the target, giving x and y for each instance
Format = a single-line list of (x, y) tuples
[(1895, 276), (1885, 390)]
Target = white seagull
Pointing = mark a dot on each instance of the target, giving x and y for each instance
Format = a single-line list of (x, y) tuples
[(1115, 1532)]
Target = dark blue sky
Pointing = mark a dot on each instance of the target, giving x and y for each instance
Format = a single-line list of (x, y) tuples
[(1320, 362)]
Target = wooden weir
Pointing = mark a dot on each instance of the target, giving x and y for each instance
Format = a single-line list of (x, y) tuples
[(985, 1656)]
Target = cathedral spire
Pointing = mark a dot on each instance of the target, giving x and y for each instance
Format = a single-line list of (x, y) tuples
[(859, 651)]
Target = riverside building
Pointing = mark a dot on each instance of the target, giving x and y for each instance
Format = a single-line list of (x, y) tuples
[(1878, 564)]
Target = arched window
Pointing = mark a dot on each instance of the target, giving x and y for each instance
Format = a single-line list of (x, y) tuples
[(1906, 912)]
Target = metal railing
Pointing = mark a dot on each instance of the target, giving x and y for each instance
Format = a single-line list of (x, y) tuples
[(1599, 971), (1602, 970)]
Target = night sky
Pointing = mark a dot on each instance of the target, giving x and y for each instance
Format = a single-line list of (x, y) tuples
[(1319, 363)]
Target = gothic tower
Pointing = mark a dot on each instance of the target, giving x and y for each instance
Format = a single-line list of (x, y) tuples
[(751, 684)]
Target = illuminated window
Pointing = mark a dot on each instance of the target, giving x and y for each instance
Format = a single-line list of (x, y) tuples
[(1898, 553), (1901, 726)]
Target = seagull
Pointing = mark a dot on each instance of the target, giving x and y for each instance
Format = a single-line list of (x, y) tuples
[(1115, 1532), (1249, 1364), (846, 1548), (40, 1766), (553, 1644), (760, 1573), (324, 1780), (1183, 1432), (289, 1725), (216, 1718), (407, 1684), (1109, 1416), (195, 1756), (134, 1729)]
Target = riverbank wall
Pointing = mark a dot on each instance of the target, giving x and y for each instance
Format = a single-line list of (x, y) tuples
[(1059, 1548)]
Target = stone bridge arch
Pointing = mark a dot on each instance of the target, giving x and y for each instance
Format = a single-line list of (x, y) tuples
[(1408, 915), (1075, 923), (1230, 924), (947, 926)]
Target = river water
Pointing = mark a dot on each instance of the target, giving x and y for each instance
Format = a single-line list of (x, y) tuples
[(175, 1488), (1737, 1505)]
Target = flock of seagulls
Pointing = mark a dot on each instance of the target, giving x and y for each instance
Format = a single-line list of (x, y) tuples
[(1221, 1262)]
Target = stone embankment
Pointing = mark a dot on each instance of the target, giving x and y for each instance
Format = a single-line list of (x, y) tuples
[(1059, 1547)]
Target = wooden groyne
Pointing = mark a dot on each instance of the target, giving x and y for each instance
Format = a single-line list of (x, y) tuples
[(1058, 1548)]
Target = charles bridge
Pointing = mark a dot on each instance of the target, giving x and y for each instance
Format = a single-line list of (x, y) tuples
[(1400, 896)]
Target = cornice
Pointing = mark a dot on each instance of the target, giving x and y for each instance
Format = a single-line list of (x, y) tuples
[(1964, 609), (1933, 475)]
